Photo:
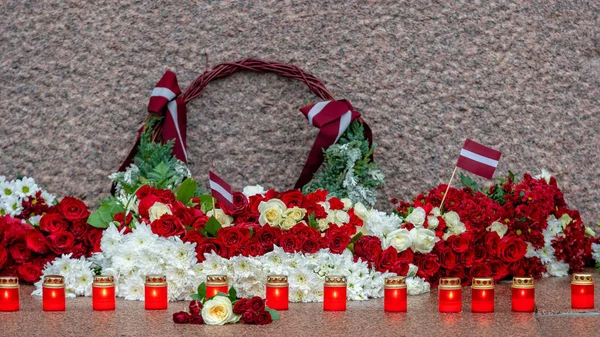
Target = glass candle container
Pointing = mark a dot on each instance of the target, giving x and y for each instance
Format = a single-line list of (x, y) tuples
[(394, 294), (523, 294), (53, 293), (582, 291), (482, 294), (103, 293), (9, 293), (156, 294), (277, 292), (216, 284), (334, 293), (450, 295)]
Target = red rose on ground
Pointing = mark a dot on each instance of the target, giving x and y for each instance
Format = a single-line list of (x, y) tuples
[(29, 272), (253, 248), (263, 318), (289, 243), (73, 209), (211, 245), (428, 265), (61, 243), (168, 225), (293, 198), (387, 259), (337, 241), (233, 237), (196, 319), (256, 304), (181, 317), (195, 307), (268, 235), (511, 249), (240, 306), (36, 241), (310, 246), (368, 247), (53, 223), (458, 243), (79, 229), (248, 317), (3, 256)]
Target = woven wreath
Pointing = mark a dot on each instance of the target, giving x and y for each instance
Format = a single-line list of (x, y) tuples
[(333, 117)]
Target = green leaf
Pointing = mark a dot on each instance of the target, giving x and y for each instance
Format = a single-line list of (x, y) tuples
[(274, 314), (232, 294), (356, 237), (212, 227), (312, 222), (186, 190), (104, 215), (469, 182), (350, 247), (197, 297), (202, 291), (206, 202)]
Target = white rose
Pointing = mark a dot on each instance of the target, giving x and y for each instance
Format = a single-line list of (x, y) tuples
[(271, 212), (451, 218), (423, 240), (323, 224), (157, 210), (399, 239), (436, 211), (347, 203), (287, 223), (218, 311), (432, 222), (360, 211), (416, 217), (295, 213), (224, 219), (341, 217), (499, 228), (253, 190)]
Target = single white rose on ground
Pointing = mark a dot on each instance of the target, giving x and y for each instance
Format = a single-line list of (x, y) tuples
[(416, 217), (224, 219), (157, 210), (499, 228), (271, 212), (399, 239), (423, 240), (218, 311)]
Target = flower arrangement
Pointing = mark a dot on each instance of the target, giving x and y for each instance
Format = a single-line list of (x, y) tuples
[(225, 308)]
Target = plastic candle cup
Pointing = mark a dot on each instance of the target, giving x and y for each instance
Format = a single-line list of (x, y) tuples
[(156, 297), (334, 293), (523, 294), (450, 295), (103, 293), (9, 293), (53, 293), (216, 284), (277, 292), (482, 294), (394, 294), (582, 291)]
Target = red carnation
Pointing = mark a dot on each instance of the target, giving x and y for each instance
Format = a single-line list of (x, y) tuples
[(36, 242), (240, 306), (61, 243), (336, 204), (233, 237), (316, 196), (53, 223), (293, 198), (168, 225), (73, 209)]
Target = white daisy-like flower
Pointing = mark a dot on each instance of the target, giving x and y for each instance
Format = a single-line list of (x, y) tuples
[(25, 187), (7, 189)]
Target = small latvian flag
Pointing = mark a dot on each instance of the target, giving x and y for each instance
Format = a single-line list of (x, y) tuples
[(478, 159), (221, 190)]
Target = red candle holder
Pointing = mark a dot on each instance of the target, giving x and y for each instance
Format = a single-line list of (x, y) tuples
[(155, 291), (53, 293), (216, 284), (9, 293), (394, 294), (334, 293), (523, 294), (482, 294), (277, 292), (103, 293), (582, 291), (450, 295)]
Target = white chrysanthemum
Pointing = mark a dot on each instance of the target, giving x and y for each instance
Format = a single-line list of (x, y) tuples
[(596, 252), (34, 220), (557, 269), (531, 251), (253, 190), (417, 286), (12, 204), (25, 187), (381, 224), (546, 175), (132, 288), (546, 254), (111, 238), (49, 198)]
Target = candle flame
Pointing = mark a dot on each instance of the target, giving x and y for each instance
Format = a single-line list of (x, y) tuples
[(451, 294), (522, 292), (6, 294), (483, 293), (154, 293), (104, 292), (335, 295), (277, 292)]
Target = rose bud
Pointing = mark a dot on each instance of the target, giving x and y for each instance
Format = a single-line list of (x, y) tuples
[(256, 304), (263, 318), (195, 307), (240, 306), (196, 319), (248, 317), (181, 317)]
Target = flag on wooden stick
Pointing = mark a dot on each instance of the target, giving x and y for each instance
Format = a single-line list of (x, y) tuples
[(221, 190), (478, 159)]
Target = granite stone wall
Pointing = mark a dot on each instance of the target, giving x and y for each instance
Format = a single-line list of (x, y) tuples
[(520, 76)]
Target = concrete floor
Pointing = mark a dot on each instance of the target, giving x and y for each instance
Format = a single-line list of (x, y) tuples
[(553, 317)]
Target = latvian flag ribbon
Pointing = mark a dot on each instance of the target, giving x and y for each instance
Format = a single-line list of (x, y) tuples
[(478, 159), (221, 190)]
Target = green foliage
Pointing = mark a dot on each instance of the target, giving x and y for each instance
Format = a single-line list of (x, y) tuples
[(467, 181), (274, 314), (186, 190), (212, 227), (347, 170), (104, 215)]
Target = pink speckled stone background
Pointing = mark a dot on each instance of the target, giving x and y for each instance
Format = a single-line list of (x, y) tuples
[(523, 77)]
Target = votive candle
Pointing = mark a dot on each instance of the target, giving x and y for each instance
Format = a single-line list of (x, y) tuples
[(450, 294), (216, 284), (394, 294), (334, 293), (156, 297), (582, 291), (53, 293), (9, 293), (277, 292), (103, 293), (482, 294), (523, 294)]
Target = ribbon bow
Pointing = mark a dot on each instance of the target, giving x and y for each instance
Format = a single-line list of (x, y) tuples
[(165, 101), (332, 118)]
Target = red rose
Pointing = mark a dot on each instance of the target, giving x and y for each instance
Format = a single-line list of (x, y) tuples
[(310, 246), (480, 253), (200, 222), (233, 237), (263, 318), (3, 256), (268, 235), (253, 227), (79, 229), (144, 191), (168, 225), (256, 304), (458, 243), (61, 243), (193, 236), (492, 240), (255, 201), (466, 259), (181, 317), (78, 251), (387, 259), (337, 241), (20, 253), (231, 252), (428, 265), (247, 216), (196, 319), (165, 196), (406, 256), (93, 239), (354, 220), (195, 307), (240, 306), (336, 204), (302, 231), (511, 249), (73, 209), (29, 272), (253, 248), (211, 245), (447, 258), (248, 317), (240, 204), (400, 268), (145, 204), (316, 196), (498, 269), (293, 198), (53, 223), (187, 215), (368, 247), (289, 242), (36, 241), (481, 270)]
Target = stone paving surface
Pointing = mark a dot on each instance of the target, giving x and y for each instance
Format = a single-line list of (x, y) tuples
[(553, 317)]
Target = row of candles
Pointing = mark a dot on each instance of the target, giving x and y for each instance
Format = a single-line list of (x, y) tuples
[(334, 293)]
